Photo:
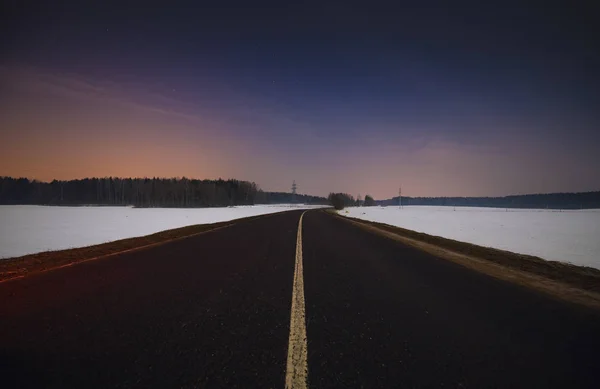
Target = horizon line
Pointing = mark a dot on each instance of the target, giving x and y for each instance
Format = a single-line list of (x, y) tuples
[(303, 194)]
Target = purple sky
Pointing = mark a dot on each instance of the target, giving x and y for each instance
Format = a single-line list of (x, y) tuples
[(470, 100)]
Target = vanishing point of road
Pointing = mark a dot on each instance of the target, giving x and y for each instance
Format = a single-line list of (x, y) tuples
[(284, 301)]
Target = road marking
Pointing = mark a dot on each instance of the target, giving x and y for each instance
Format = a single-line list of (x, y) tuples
[(296, 375)]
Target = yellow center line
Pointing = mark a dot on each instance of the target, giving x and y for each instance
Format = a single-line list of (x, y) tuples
[(296, 375)]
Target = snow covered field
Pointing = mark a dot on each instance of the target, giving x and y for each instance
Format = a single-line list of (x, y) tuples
[(567, 236), (28, 229)]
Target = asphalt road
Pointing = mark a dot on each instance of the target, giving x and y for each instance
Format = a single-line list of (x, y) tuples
[(214, 311)]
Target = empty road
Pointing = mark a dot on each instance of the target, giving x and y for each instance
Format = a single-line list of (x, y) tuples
[(258, 304)]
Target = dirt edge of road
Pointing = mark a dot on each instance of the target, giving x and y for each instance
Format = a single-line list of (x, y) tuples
[(578, 284), (19, 267)]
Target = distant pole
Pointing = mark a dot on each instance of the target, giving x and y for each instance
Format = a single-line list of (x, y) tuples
[(400, 197), (294, 188)]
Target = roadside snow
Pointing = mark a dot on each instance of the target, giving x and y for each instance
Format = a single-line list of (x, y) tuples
[(567, 236), (28, 229)]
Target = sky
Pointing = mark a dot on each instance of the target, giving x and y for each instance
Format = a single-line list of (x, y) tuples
[(441, 98)]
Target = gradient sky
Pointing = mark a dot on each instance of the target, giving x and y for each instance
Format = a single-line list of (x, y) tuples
[(446, 98)]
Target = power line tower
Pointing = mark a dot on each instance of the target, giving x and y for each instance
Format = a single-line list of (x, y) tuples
[(294, 189)]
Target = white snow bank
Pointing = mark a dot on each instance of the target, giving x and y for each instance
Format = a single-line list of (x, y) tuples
[(567, 236), (28, 229)]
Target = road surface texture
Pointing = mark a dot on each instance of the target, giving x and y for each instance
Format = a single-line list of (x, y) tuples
[(214, 311)]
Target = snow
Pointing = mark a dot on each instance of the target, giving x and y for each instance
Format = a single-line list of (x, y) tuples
[(28, 229), (566, 236)]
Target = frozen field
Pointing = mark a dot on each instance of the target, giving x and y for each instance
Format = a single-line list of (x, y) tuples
[(28, 229), (567, 236)]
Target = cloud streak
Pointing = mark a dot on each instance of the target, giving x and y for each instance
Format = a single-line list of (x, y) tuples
[(63, 126)]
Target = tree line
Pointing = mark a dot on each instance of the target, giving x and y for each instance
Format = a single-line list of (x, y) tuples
[(341, 200), (287, 198), (143, 192), (582, 200)]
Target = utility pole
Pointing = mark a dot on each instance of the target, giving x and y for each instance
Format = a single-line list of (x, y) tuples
[(400, 197), (294, 188)]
